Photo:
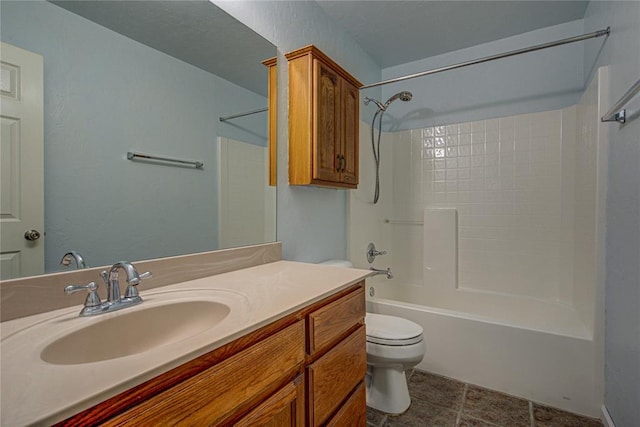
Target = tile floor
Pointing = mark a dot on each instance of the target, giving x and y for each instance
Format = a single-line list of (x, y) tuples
[(442, 402)]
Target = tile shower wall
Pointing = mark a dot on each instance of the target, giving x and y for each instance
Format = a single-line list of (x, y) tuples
[(511, 181)]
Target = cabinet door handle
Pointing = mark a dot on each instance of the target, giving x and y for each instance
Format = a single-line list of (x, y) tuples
[(343, 163), (339, 166)]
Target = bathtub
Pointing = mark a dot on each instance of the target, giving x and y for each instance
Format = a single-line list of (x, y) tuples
[(527, 348)]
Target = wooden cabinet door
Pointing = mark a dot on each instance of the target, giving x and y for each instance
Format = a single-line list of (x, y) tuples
[(326, 123), (350, 98), (284, 409), (332, 377), (353, 412)]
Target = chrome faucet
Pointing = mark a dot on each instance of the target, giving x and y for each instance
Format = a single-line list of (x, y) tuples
[(71, 256), (387, 272), (115, 301), (113, 285)]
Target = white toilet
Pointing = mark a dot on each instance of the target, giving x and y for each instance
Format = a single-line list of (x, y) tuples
[(394, 345)]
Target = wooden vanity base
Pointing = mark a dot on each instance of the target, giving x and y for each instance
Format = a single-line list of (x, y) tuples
[(304, 369)]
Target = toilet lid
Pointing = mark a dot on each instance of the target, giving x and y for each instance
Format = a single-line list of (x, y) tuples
[(390, 330)]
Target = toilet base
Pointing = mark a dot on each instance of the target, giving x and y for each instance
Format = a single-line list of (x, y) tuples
[(387, 389)]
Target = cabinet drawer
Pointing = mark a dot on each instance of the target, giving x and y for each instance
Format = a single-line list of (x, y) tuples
[(354, 411), (335, 319), (332, 377), (210, 397)]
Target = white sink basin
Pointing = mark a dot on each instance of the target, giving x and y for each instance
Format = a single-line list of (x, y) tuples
[(99, 356), (131, 332)]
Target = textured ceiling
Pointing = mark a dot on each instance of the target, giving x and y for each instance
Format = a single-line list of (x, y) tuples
[(396, 32), (393, 31), (194, 31)]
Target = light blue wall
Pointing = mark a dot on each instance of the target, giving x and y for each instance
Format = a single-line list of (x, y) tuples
[(105, 95), (622, 291), (537, 81), (311, 221)]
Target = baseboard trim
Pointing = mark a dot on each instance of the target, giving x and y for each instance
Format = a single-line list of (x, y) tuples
[(606, 418)]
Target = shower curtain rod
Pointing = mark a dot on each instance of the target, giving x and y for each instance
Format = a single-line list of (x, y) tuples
[(248, 113), (586, 36)]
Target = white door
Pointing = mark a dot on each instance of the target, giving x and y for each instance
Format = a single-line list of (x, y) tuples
[(21, 163)]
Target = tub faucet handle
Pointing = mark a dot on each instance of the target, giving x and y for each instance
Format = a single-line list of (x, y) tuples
[(372, 253)]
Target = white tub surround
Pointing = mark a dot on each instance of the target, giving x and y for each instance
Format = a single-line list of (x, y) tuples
[(257, 296), (494, 232)]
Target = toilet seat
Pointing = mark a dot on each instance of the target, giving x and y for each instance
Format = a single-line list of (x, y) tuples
[(382, 341), (390, 330)]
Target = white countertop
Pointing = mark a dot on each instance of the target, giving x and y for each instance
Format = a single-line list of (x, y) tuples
[(36, 392)]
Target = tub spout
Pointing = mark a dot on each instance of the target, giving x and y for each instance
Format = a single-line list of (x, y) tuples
[(387, 272)]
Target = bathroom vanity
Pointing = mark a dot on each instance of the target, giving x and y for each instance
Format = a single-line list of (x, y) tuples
[(291, 351), (319, 351)]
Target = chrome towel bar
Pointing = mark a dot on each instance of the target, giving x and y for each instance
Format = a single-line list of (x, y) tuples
[(139, 156)]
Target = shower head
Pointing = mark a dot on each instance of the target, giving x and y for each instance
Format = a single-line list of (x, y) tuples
[(403, 96)]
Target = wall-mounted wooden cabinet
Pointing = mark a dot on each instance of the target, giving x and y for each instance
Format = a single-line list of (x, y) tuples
[(323, 121), (273, 121)]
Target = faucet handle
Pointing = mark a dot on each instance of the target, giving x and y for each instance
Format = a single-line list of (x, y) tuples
[(145, 275), (93, 299), (132, 290)]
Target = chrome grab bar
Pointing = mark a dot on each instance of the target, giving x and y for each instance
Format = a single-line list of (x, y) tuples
[(617, 113)]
